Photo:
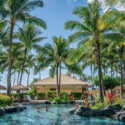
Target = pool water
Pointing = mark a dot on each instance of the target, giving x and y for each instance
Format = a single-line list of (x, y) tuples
[(57, 115)]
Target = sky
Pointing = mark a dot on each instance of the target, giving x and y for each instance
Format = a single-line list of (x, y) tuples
[(55, 13)]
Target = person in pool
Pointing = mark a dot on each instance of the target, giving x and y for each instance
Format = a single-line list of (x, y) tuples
[(47, 108), (77, 105), (38, 109)]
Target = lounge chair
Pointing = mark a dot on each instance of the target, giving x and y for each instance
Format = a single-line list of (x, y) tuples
[(28, 98), (25, 97)]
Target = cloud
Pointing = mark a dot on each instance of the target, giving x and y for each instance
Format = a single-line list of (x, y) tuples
[(105, 8), (47, 68)]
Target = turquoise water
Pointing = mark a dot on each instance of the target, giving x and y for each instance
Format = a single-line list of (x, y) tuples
[(57, 115)]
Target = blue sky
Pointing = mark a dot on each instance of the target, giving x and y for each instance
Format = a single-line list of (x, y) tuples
[(55, 13)]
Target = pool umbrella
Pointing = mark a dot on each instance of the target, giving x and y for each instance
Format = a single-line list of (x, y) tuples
[(119, 87), (2, 87), (19, 87)]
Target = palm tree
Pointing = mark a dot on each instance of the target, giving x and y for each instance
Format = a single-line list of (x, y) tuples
[(89, 29), (35, 80), (30, 62), (54, 55), (28, 38), (4, 57), (13, 11)]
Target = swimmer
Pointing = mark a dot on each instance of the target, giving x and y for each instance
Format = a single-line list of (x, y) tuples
[(46, 109), (77, 105), (38, 109)]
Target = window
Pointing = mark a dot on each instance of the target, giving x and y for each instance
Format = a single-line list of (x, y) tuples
[(52, 89)]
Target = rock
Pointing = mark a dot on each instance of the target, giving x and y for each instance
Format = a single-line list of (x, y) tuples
[(123, 109), (2, 111), (20, 107), (10, 109), (72, 102), (87, 113), (72, 110), (121, 116), (116, 107), (96, 112), (108, 107), (81, 110), (47, 102), (106, 112)]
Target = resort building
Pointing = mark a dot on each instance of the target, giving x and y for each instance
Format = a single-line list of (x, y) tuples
[(68, 84)]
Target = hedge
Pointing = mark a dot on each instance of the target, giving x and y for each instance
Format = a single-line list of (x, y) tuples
[(77, 95), (32, 94)]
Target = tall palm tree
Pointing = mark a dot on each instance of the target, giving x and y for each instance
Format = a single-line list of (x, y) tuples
[(90, 28), (28, 38), (30, 62), (14, 11), (54, 55)]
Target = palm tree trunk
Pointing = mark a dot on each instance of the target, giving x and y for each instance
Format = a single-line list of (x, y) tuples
[(39, 75), (103, 88), (91, 75), (57, 80), (116, 74), (124, 74), (9, 70), (60, 78), (99, 69), (14, 78), (23, 65), (104, 71), (122, 50), (18, 77), (28, 77), (111, 77)]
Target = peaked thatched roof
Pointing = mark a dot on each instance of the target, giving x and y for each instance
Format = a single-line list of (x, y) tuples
[(19, 87), (2, 87), (65, 80), (119, 87)]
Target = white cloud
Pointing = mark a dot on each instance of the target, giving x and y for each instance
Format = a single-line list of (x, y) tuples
[(47, 68), (118, 7)]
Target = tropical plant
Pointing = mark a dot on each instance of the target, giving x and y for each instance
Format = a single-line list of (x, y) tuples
[(35, 80), (89, 30), (13, 11), (28, 38), (53, 55)]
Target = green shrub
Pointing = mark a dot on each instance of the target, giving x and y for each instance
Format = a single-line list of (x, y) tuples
[(63, 98), (6, 101), (105, 103), (57, 99), (32, 93), (41, 94), (77, 95)]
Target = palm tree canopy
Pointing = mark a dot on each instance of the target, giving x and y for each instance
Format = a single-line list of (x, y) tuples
[(18, 10)]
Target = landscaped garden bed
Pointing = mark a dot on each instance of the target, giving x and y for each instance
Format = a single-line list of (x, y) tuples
[(116, 109), (63, 99), (7, 106)]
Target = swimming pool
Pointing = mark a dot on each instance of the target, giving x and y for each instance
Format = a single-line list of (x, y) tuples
[(57, 115)]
